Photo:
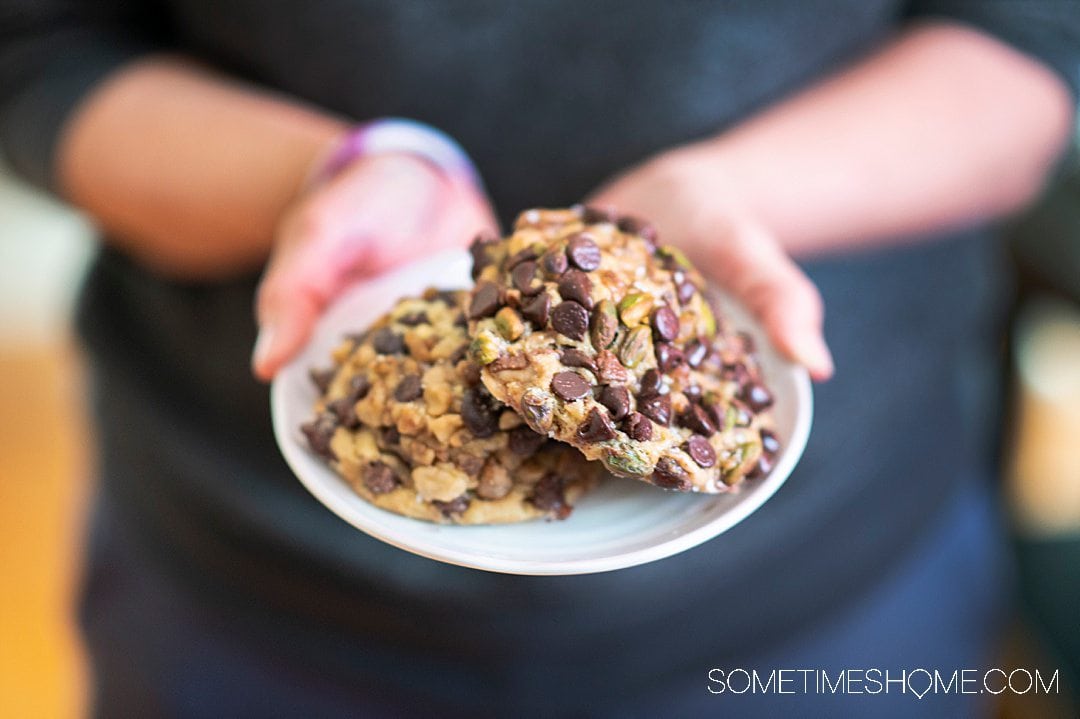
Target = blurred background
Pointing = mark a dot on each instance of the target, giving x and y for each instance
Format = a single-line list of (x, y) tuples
[(46, 470)]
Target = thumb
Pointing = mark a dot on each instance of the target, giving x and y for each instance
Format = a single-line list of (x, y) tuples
[(298, 285)]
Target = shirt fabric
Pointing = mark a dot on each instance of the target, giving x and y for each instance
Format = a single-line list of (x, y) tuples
[(549, 98)]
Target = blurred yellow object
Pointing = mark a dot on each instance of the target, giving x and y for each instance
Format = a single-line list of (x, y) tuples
[(43, 487), (1044, 467)]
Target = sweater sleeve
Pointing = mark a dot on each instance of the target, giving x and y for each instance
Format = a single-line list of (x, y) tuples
[(52, 52), (1047, 30)]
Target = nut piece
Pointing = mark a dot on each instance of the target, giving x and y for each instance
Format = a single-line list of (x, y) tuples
[(537, 409), (443, 482), (626, 460), (509, 324), (605, 323), (636, 347), (634, 308), (485, 348), (495, 482), (673, 257)]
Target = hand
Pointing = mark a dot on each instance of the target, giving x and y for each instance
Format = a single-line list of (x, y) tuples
[(678, 193), (380, 211)]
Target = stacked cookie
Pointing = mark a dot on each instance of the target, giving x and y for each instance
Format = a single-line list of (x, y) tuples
[(583, 346)]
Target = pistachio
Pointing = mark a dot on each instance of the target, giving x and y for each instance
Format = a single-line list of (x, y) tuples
[(674, 257), (605, 323), (635, 308), (509, 324), (485, 348), (709, 319), (742, 462), (626, 460), (636, 347), (537, 409)]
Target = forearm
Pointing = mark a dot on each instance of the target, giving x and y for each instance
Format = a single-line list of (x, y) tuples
[(943, 127), (186, 170)]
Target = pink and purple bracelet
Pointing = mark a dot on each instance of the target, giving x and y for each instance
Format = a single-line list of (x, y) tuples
[(396, 134)]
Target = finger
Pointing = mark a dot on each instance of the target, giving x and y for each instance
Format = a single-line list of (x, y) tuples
[(751, 265), (297, 287)]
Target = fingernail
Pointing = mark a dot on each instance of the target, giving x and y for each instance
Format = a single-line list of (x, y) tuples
[(263, 343), (814, 354)]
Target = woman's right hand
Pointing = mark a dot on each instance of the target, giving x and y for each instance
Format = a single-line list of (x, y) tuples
[(381, 211)]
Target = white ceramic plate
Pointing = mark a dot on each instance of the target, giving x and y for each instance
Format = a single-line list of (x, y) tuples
[(621, 524)]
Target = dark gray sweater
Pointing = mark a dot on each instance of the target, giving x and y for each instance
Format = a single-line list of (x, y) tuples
[(549, 98)]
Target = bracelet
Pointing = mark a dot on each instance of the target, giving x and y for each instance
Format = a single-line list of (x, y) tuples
[(396, 134)]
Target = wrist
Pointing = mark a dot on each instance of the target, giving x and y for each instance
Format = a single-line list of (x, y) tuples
[(395, 136)]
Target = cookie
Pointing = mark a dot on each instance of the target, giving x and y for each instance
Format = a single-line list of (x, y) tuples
[(405, 420), (601, 339)]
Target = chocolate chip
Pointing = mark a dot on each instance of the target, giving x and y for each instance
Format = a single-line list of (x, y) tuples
[(479, 251), (447, 297), (457, 505), (617, 399), (638, 427), (665, 324), (763, 466), (524, 442), (548, 496), (537, 309), (609, 369), (635, 226), (471, 373), (485, 300), (570, 319), (379, 478), (470, 465), (529, 253), (668, 357), (554, 262), (685, 292), (693, 393), (345, 411), (389, 436), (697, 419), (757, 396), (736, 372), (410, 388), (509, 362), (650, 383), (669, 474), (478, 412), (388, 342), (322, 378), (592, 215), (572, 357), (597, 427), (525, 279), (319, 432), (749, 346), (460, 320), (769, 443), (696, 350), (576, 286), (413, 319), (583, 252), (656, 407), (701, 451), (569, 386)]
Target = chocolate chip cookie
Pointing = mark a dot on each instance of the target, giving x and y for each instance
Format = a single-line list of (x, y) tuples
[(405, 420), (598, 337)]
